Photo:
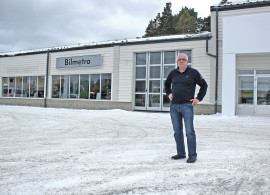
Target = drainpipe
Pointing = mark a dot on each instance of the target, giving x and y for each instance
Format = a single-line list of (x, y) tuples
[(215, 56), (216, 92), (46, 85)]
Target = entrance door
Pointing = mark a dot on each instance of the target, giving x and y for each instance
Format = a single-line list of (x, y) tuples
[(263, 95), (154, 82), (152, 69), (254, 92)]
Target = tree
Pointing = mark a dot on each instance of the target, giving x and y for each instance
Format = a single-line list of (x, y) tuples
[(186, 21), (166, 21), (162, 24)]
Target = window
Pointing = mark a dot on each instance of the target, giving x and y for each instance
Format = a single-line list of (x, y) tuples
[(95, 86), (55, 86), (41, 86), (106, 86), (5, 87), (85, 86), (74, 86), (245, 90), (18, 92), (64, 87), (27, 86)]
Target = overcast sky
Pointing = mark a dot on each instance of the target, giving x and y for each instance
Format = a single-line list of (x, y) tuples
[(36, 24)]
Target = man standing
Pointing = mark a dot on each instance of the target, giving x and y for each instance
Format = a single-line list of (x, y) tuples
[(180, 87)]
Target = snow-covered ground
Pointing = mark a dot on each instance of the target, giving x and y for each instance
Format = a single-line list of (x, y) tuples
[(64, 151)]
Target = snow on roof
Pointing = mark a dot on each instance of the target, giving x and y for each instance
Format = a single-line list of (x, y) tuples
[(114, 42), (229, 4)]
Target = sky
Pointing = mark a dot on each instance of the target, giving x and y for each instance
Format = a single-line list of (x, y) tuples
[(36, 24)]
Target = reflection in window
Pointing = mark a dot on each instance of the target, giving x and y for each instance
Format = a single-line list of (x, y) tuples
[(140, 86), (26, 83), (18, 92), (11, 90), (245, 89), (70, 87), (41, 86), (33, 87), (106, 86), (5, 87), (55, 86), (64, 86), (84, 86), (154, 72), (140, 100), (141, 59), (263, 92), (74, 86), (169, 57), (155, 58), (140, 72), (95, 86)]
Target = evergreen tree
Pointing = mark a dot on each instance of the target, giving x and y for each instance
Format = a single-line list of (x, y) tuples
[(186, 21), (166, 21)]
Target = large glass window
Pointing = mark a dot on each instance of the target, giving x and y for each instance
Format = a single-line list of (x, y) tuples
[(106, 86), (41, 86), (26, 86), (95, 86), (33, 87), (77, 86), (74, 86), (11, 86), (64, 87), (18, 92), (84, 86), (263, 91), (5, 87), (245, 89), (55, 86), (26, 82)]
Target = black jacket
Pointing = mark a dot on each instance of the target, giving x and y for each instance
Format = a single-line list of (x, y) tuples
[(184, 85)]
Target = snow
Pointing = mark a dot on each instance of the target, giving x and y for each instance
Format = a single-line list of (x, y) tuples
[(116, 42), (65, 151)]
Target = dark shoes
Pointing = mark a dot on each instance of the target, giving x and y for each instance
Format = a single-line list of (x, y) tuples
[(177, 156), (191, 160)]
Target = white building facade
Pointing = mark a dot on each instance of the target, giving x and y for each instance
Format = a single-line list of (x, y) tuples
[(130, 74), (244, 54)]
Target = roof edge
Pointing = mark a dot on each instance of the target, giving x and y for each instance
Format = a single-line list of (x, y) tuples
[(125, 42), (245, 5)]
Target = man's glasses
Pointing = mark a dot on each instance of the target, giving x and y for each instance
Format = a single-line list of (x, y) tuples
[(182, 59)]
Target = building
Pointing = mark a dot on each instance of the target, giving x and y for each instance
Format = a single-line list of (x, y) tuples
[(240, 32), (129, 74)]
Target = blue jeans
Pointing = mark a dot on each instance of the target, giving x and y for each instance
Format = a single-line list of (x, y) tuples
[(178, 113)]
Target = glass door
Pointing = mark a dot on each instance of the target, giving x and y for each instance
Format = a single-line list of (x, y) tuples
[(154, 82), (263, 95), (140, 81)]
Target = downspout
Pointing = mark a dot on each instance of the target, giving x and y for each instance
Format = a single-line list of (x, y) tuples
[(46, 86), (215, 56), (216, 92)]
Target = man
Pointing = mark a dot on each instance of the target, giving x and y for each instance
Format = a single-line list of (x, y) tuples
[(180, 87)]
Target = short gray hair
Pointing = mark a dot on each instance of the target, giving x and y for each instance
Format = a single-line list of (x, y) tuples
[(183, 54)]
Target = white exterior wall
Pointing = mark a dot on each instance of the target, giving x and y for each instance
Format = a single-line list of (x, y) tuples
[(117, 60), (107, 66), (242, 34), (221, 15), (26, 65), (200, 61)]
